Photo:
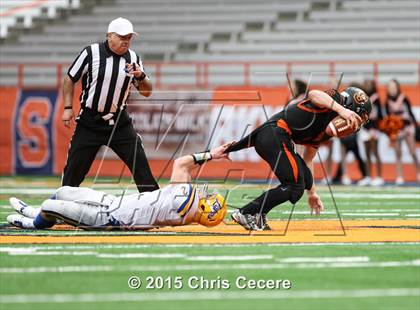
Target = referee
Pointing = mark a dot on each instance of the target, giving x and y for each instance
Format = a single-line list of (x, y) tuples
[(108, 71)]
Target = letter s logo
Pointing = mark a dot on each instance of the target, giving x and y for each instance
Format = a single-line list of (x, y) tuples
[(33, 131), (33, 146)]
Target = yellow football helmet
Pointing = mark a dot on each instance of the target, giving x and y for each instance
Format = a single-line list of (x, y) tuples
[(212, 210)]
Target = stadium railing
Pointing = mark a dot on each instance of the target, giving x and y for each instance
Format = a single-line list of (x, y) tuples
[(176, 75)]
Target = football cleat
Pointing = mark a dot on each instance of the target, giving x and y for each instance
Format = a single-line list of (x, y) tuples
[(247, 221), (22, 208), (21, 221), (263, 222)]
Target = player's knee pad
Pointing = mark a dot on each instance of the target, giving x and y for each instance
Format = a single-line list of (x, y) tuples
[(295, 192), (76, 214)]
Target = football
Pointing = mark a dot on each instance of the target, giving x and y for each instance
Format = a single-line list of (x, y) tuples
[(338, 128)]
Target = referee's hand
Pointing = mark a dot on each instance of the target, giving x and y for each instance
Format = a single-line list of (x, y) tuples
[(67, 117), (133, 69)]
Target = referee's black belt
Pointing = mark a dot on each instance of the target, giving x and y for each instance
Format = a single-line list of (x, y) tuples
[(108, 117)]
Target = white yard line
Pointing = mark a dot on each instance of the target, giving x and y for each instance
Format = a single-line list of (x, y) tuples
[(170, 268), (228, 258), (30, 252), (207, 295), (338, 259), (380, 210), (402, 217), (342, 212), (361, 210), (35, 252), (27, 191), (355, 213), (8, 248), (377, 196), (140, 255), (369, 214)]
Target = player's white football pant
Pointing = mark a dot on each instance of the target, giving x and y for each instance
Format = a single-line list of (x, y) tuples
[(84, 215), (69, 193)]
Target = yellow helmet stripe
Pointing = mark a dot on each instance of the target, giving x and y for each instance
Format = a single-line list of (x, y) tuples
[(186, 205)]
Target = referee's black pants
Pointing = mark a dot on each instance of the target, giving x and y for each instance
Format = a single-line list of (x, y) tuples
[(274, 145), (125, 142)]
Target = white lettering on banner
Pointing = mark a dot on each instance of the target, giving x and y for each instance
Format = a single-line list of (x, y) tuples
[(237, 121), (152, 120)]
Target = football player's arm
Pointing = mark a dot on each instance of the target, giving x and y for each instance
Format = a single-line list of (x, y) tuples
[(314, 201), (181, 171), (68, 93), (323, 100)]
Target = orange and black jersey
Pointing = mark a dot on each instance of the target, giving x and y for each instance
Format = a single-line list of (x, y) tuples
[(305, 122)]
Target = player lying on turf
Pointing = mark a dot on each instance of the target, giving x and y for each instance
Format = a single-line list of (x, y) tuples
[(179, 203), (311, 121)]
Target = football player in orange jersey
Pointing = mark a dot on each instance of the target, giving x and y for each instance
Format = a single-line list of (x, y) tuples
[(304, 122)]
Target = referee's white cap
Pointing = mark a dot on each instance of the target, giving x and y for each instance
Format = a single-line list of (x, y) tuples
[(121, 26)]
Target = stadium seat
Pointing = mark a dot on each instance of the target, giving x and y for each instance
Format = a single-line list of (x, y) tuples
[(12, 11)]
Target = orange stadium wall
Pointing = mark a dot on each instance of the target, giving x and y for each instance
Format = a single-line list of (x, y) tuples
[(33, 140)]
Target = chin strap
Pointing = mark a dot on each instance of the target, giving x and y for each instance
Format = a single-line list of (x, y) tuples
[(201, 158)]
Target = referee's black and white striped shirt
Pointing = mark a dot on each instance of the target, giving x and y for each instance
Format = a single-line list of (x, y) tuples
[(105, 84)]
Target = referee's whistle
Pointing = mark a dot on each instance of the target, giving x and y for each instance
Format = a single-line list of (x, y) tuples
[(126, 69)]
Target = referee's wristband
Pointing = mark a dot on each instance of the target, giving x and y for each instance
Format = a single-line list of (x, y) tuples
[(141, 77), (68, 108), (201, 158)]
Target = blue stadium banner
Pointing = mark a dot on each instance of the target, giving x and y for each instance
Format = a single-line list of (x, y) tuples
[(33, 132)]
